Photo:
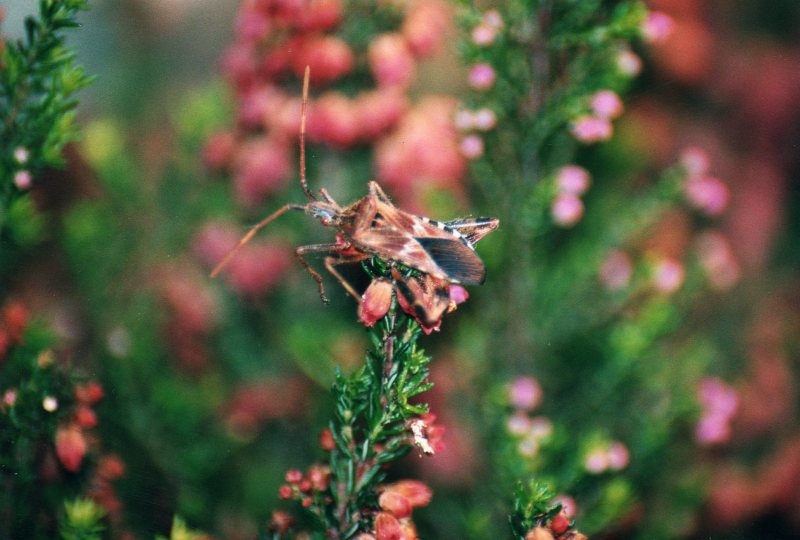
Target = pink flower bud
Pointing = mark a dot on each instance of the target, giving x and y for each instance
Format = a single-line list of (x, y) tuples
[(606, 104), (484, 34), (572, 179), (262, 167), (378, 111), (319, 15), (629, 63), (493, 18), (218, 150), (618, 456), (717, 397), (70, 447), (471, 146), (591, 129), (568, 504), (387, 527), (395, 504), (528, 447), (657, 27), (708, 194), (525, 393), (482, 76), (333, 119), (458, 294), (23, 180), (375, 302), (541, 428), (391, 61), (518, 423), (616, 270), (21, 155), (567, 210), (484, 119), (718, 260), (329, 58), (695, 160), (418, 493), (668, 275), (464, 120), (252, 24), (712, 429), (425, 25), (596, 461)]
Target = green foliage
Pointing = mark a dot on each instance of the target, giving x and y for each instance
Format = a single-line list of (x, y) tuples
[(82, 520), (38, 83)]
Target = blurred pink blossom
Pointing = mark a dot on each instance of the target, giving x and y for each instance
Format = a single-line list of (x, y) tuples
[(482, 76), (695, 160), (333, 119), (712, 429), (484, 34), (572, 179), (629, 63), (668, 275), (591, 129), (484, 119), (528, 447), (567, 209), (657, 27), (596, 461), (618, 456), (616, 270), (518, 423), (717, 396), (708, 194), (471, 146), (718, 260), (391, 60), (606, 104), (329, 58), (525, 393), (425, 25), (23, 179), (568, 504), (541, 427), (261, 167)]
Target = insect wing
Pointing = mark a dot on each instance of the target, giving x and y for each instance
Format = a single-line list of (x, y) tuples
[(473, 229), (391, 244), (458, 261), (424, 297)]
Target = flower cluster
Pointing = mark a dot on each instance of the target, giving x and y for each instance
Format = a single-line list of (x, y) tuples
[(70, 439), (706, 193), (608, 456), (524, 395), (595, 126), (396, 502), (572, 181), (309, 488), (719, 402), (557, 529)]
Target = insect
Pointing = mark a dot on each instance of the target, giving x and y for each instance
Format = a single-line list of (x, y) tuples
[(374, 227)]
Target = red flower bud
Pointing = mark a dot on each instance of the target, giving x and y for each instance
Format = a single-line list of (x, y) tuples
[(70, 447), (391, 61), (375, 302), (395, 503), (387, 527), (85, 417), (559, 524)]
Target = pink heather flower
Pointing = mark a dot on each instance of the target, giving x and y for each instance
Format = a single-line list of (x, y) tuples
[(695, 160), (21, 155), (10, 397), (568, 504), (375, 302), (712, 429), (657, 27), (258, 268), (708, 194), (458, 294), (395, 504), (528, 447), (616, 270), (567, 209), (471, 146), (252, 24), (618, 456), (493, 18), (606, 104), (484, 119), (718, 260), (591, 129), (239, 65), (484, 34), (319, 15), (70, 447), (464, 120), (261, 167), (541, 428), (525, 393), (23, 179), (518, 423), (717, 397), (329, 57), (378, 111), (572, 179), (668, 275), (418, 493), (391, 60), (333, 119), (482, 76), (424, 26), (218, 150), (596, 461), (629, 63)]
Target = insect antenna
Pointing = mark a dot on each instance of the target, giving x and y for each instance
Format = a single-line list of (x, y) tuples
[(303, 114), (246, 238)]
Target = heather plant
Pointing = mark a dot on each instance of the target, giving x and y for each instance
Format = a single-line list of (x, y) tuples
[(578, 389)]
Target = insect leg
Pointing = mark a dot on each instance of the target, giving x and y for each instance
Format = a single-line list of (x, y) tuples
[(330, 262), (246, 238), (316, 248), (303, 114), (377, 190)]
